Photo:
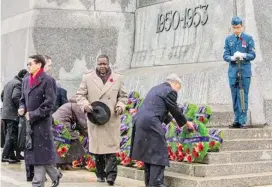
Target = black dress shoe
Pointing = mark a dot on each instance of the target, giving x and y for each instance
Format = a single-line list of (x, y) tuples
[(100, 179), (56, 183), (235, 125), (20, 157), (29, 179), (110, 182), (161, 185), (11, 161), (15, 158)]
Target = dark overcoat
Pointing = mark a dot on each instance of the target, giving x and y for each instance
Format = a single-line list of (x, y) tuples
[(39, 101), (148, 137), (10, 97)]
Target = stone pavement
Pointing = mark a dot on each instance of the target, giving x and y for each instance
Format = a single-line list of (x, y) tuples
[(13, 175)]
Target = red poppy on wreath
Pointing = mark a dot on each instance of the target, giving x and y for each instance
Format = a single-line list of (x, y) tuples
[(111, 80), (212, 143)]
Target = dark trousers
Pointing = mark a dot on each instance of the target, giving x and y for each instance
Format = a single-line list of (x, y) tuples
[(11, 138), (29, 171), (106, 166), (154, 174)]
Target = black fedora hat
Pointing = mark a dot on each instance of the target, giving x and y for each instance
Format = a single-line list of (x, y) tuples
[(101, 113)]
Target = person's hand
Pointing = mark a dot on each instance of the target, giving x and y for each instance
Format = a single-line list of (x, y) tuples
[(118, 110), (21, 111), (236, 54), (190, 125), (239, 55), (232, 58), (88, 109), (27, 116), (243, 55)]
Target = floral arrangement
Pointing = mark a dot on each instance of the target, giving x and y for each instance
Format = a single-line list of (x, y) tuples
[(62, 139), (87, 161), (183, 144)]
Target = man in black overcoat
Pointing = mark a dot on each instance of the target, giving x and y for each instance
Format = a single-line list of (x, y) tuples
[(61, 92), (148, 138), (37, 104), (10, 97)]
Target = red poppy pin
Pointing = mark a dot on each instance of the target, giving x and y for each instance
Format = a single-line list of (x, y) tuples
[(111, 80), (241, 38)]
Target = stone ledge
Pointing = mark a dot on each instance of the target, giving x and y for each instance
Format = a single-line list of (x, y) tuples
[(246, 144), (178, 180), (238, 156), (250, 133), (212, 170)]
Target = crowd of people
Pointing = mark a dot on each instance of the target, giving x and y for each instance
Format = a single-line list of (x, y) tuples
[(32, 102)]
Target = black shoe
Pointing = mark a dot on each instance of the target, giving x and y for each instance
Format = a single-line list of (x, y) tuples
[(235, 125), (56, 183), (29, 179), (100, 179), (14, 158), (110, 182), (161, 185), (20, 157), (11, 161)]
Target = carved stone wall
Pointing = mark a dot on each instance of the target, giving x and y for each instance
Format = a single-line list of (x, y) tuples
[(145, 39)]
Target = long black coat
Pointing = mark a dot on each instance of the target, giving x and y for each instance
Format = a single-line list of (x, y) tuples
[(39, 101), (10, 97), (148, 138)]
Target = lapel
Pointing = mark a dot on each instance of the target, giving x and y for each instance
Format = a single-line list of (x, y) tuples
[(97, 80), (109, 84), (40, 79)]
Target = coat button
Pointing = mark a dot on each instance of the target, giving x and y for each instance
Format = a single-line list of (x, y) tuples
[(109, 98)]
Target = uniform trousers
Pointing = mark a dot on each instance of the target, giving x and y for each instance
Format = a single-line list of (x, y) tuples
[(154, 174), (106, 166)]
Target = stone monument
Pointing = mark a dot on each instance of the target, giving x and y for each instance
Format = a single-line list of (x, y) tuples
[(146, 40)]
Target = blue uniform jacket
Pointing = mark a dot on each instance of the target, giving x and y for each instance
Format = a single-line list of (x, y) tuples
[(245, 44)]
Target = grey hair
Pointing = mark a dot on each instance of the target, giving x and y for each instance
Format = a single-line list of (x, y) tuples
[(174, 77)]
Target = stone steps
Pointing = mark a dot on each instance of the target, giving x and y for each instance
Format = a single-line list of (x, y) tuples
[(245, 159), (178, 180), (251, 133), (211, 170), (238, 156), (246, 144)]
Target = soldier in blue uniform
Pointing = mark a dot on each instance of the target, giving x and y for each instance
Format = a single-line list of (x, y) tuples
[(239, 45)]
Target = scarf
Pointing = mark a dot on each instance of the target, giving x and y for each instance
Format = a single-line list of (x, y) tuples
[(104, 77), (33, 79)]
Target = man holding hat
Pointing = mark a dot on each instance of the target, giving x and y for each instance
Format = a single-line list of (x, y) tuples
[(239, 47), (103, 97)]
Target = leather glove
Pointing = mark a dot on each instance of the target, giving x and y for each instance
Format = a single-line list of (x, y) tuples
[(88, 109)]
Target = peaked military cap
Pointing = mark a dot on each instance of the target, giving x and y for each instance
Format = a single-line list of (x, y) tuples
[(236, 20)]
